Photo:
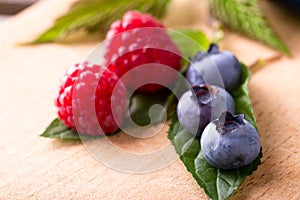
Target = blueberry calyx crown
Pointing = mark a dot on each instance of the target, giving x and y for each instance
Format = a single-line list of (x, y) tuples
[(213, 49), (202, 93), (227, 122)]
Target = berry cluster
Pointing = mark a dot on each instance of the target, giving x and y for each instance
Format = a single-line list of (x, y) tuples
[(91, 101), (228, 141), (92, 98)]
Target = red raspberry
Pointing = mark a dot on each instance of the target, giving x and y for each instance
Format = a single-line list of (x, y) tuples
[(136, 40), (85, 100)]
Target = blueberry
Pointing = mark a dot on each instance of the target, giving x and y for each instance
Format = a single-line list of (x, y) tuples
[(197, 107), (230, 142), (216, 68)]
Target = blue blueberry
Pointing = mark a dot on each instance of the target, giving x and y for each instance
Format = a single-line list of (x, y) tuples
[(230, 142), (216, 68), (197, 107)]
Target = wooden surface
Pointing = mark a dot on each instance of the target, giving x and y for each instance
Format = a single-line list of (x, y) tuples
[(38, 168)]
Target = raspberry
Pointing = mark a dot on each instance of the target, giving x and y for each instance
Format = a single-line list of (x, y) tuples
[(85, 100), (140, 40)]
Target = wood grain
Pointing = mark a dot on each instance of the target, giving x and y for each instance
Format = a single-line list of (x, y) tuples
[(38, 168)]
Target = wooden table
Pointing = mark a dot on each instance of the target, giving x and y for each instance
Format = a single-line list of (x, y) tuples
[(38, 168)]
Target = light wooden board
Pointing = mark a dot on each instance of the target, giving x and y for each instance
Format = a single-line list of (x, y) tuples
[(38, 168)]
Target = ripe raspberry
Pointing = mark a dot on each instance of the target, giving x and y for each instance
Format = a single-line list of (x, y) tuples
[(85, 100), (139, 39)]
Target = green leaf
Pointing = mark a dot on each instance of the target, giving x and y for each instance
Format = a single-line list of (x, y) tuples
[(245, 16), (98, 15), (189, 41), (241, 97), (140, 104), (58, 130), (218, 184)]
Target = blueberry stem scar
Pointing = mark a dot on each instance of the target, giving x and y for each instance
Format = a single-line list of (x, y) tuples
[(202, 93), (228, 122)]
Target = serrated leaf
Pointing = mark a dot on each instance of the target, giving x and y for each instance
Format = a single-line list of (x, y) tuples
[(218, 184), (245, 16), (98, 15), (58, 130)]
